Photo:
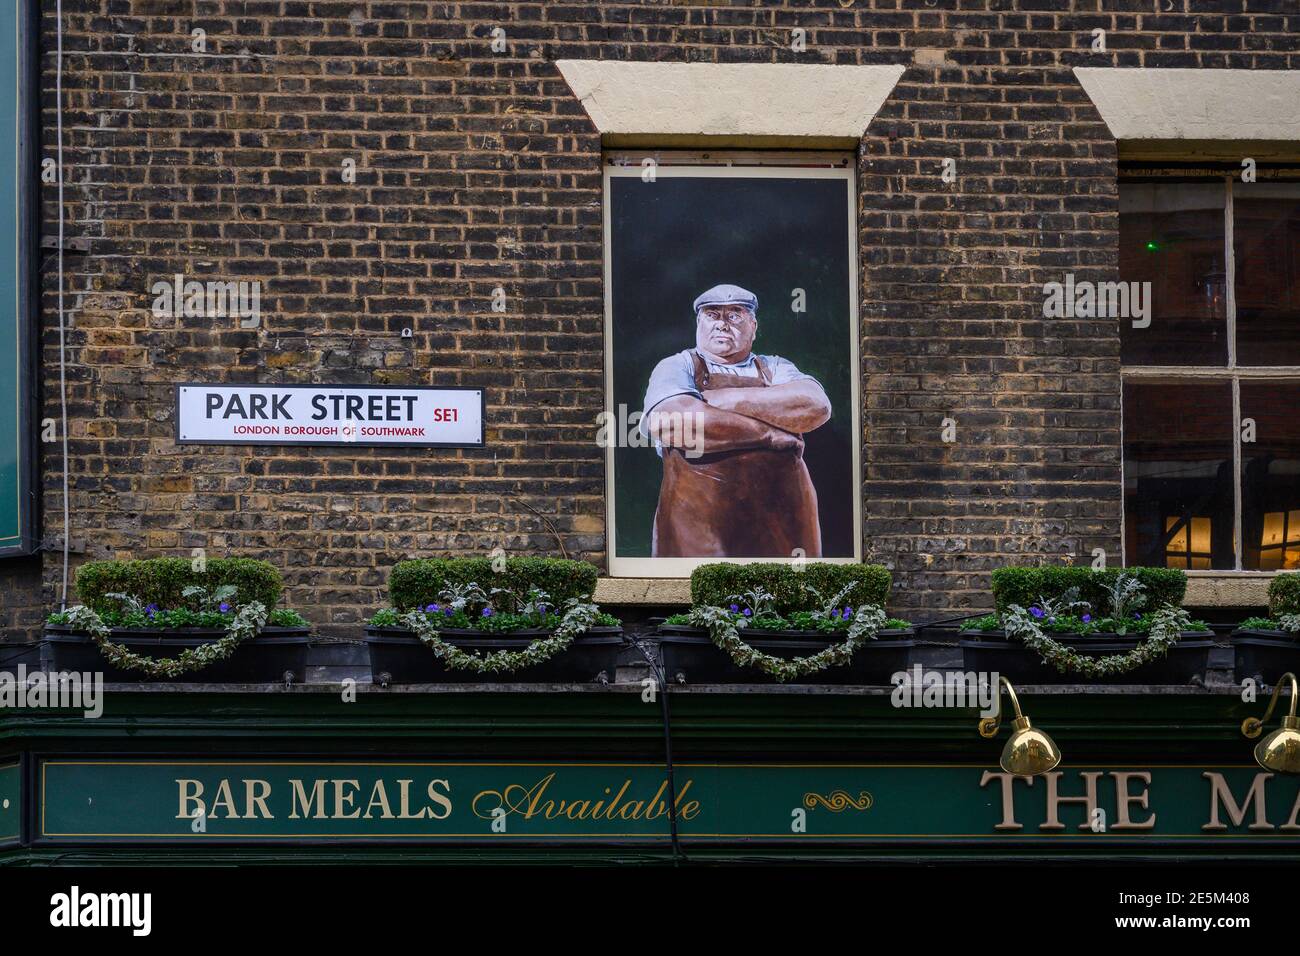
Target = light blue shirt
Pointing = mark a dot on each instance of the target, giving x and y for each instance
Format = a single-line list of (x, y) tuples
[(675, 375)]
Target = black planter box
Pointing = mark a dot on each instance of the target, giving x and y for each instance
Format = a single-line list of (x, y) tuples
[(989, 651), (691, 657), (275, 655), (1264, 655), (20, 654), (398, 656)]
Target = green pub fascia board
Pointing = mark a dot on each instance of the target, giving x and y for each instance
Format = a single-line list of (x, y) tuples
[(810, 750)]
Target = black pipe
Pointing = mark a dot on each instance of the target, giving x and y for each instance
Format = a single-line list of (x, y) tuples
[(678, 855)]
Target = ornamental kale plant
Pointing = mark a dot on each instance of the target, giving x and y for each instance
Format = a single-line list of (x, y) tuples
[(537, 604), (1060, 607), (130, 603), (461, 597), (1125, 596), (220, 599), (830, 609), (758, 601)]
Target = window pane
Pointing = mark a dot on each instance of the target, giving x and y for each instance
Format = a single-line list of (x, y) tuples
[(1178, 500), (1270, 479), (1266, 249), (1171, 235)]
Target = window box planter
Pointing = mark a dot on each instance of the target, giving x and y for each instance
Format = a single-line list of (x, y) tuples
[(398, 656), (519, 602), (1263, 654), (1082, 611), (1261, 648), (991, 651), (20, 654), (277, 654), (796, 603), (160, 608), (690, 656)]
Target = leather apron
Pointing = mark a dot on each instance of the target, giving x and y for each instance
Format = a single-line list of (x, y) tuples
[(750, 503)]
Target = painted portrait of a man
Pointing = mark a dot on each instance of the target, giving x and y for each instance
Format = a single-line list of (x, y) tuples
[(746, 489), (731, 366)]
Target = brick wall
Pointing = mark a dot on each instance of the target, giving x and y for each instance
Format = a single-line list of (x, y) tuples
[(477, 170)]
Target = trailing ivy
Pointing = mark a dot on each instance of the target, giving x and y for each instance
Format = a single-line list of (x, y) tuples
[(248, 621), (578, 618), (150, 618), (1081, 625), (502, 622), (1166, 627), (724, 627), (797, 621)]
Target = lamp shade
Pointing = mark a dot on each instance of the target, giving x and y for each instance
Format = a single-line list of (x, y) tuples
[(1029, 751), (1280, 750)]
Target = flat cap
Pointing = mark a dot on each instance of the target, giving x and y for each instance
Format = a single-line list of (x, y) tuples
[(727, 295)]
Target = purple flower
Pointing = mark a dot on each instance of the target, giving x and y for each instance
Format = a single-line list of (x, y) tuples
[(748, 612), (487, 612), (224, 607), (1137, 616), (1036, 611), (1087, 618), (848, 613), (448, 612), (151, 609), (735, 609)]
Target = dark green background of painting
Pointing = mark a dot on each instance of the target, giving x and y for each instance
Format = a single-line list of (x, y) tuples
[(672, 239)]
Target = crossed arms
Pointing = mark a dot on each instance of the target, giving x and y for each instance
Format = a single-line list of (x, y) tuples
[(736, 418)]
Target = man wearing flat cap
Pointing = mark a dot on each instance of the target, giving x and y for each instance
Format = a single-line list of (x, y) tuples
[(744, 490)]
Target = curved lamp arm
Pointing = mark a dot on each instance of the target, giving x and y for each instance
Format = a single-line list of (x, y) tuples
[(989, 725), (1253, 726)]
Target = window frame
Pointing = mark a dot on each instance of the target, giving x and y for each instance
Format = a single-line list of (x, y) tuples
[(628, 162), (1134, 173)]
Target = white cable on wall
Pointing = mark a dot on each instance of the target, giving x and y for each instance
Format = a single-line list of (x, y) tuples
[(63, 382)]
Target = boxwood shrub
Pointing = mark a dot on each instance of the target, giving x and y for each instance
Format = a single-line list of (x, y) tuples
[(1284, 595), (1025, 586), (714, 583), (160, 581), (414, 584)]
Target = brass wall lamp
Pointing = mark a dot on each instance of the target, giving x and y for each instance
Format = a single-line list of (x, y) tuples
[(1280, 750), (1029, 752)]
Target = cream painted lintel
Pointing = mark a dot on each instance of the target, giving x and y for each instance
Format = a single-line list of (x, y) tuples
[(742, 104), (690, 141)]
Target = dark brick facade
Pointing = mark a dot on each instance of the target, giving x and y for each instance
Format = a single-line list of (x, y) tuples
[(477, 170)]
